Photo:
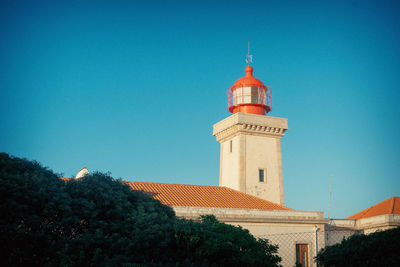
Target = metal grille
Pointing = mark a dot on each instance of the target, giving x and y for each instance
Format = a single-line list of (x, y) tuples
[(316, 240)]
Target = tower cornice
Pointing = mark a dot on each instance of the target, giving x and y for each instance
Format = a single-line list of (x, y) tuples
[(250, 124)]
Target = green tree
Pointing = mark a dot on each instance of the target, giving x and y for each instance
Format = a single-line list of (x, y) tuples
[(376, 249), (210, 242), (100, 221), (114, 225), (34, 209), (93, 221)]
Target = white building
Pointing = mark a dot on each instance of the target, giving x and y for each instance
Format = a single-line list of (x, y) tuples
[(250, 191)]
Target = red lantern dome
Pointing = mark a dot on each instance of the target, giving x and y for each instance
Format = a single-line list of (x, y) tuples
[(249, 95)]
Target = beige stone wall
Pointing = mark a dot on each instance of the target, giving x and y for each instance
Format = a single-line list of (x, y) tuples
[(288, 228), (286, 236), (338, 229), (378, 223), (376, 229), (264, 153), (256, 145), (230, 158), (282, 228)]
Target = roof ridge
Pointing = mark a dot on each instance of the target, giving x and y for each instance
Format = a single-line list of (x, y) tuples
[(169, 183)]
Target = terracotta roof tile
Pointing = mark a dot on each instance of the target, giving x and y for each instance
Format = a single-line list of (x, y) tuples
[(200, 196), (388, 206), (203, 196)]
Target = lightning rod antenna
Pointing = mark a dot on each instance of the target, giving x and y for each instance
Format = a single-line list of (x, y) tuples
[(249, 58), (330, 198)]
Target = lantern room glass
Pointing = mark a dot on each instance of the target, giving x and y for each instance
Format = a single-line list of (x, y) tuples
[(249, 95)]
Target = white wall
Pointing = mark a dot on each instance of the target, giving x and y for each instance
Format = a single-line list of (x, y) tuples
[(255, 145), (280, 227), (263, 152), (229, 164)]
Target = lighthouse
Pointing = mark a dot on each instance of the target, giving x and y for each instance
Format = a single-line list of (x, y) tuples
[(250, 141)]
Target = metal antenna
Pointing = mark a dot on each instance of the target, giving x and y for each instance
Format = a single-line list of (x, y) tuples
[(249, 58), (330, 197)]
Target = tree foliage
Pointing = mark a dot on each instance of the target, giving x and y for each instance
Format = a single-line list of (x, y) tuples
[(210, 242), (376, 249), (34, 208), (99, 221)]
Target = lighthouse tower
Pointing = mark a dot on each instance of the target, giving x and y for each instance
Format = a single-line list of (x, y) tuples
[(250, 153)]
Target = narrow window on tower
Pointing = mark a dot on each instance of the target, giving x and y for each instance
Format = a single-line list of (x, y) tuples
[(230, 146), (261, 175)]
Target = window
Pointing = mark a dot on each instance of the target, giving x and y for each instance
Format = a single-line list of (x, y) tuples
[(261, 175), (250, 94), (302, 254), (254, 95), (230, 146)]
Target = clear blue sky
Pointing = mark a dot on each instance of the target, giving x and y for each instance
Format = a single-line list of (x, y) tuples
[(134, 87)]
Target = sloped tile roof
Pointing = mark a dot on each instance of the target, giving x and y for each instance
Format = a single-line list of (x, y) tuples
[(203, 196), (388, 206)]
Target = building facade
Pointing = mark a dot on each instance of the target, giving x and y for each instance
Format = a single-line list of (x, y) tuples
[(251, 193)]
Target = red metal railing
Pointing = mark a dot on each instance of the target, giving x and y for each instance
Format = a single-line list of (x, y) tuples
[(229, 97)]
